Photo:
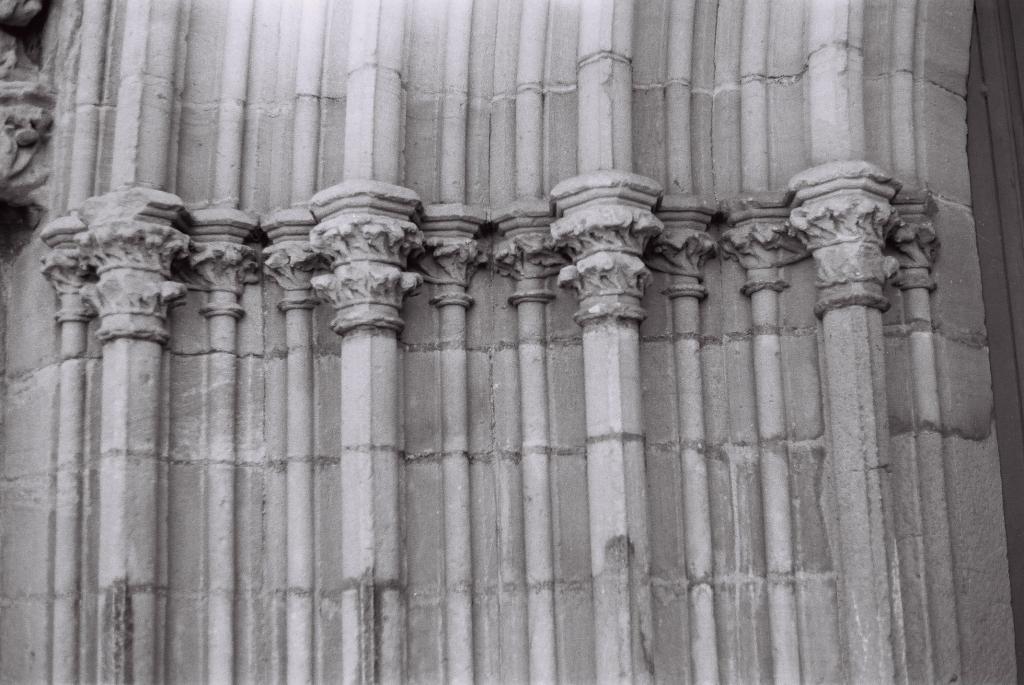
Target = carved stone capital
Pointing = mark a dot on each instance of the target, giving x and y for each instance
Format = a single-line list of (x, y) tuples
[(66, 267), (217, 259), (762, 240), (913, 241), (366, 234), (526, 249), (451, 252), (683, 247), (606, 226), (289, 259), (843, 217), (132, 239), (366, 294)]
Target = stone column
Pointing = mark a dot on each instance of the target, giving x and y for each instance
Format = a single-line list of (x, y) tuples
[(220, 264), (526, 252), (760, 238), (68, 272), (606, 223), (680, 251), (365, 232), (933, 643), (842, 214), (449, 235), (132, 239), (291, 261)]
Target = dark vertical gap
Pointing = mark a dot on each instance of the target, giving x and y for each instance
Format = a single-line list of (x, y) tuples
[(996, 159)]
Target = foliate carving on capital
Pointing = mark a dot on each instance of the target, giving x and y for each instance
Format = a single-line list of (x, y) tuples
[(449, 261), (915, 241), (292, 264), (846, 235), (133, 244), (530, 254), (606, 273), (681, 251), (842, 219), (763, 244), (133, 304), (366, 293), (600, 228), (357, 237), (218, 265)]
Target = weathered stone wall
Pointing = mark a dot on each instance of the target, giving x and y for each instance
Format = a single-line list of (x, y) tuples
[(765, 478)]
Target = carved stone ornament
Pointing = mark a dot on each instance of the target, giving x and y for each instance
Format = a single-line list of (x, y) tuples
[(607, 225), (292, 264), (347, 238), (600, 228), (526, 249), (289, 259), (449, 261), (366, 294), (451, 253), (763, 243), (843, 219), (132, 241), (26, 124), (66, 268), (219, 266), (914, 242), (681, 251)]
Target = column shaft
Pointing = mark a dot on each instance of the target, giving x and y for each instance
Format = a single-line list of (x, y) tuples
[(696, 504), (606, 226), (526, 254), (842, 217), (66, 269), (290, 261), (372, 613), (365, 234)]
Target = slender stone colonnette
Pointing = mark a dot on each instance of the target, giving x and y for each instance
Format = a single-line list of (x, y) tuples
[(681, 251)]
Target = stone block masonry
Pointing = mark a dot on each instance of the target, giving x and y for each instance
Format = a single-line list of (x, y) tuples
[(493, 342)]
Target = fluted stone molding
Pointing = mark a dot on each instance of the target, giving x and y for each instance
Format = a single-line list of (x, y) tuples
[(760, 238), (132, 239), (842, 214), (606, 222), (526, 252), (366, 233), (681, 251), (923, 525), (292, 263), (219, 263), (68, 272), (448, 262)]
